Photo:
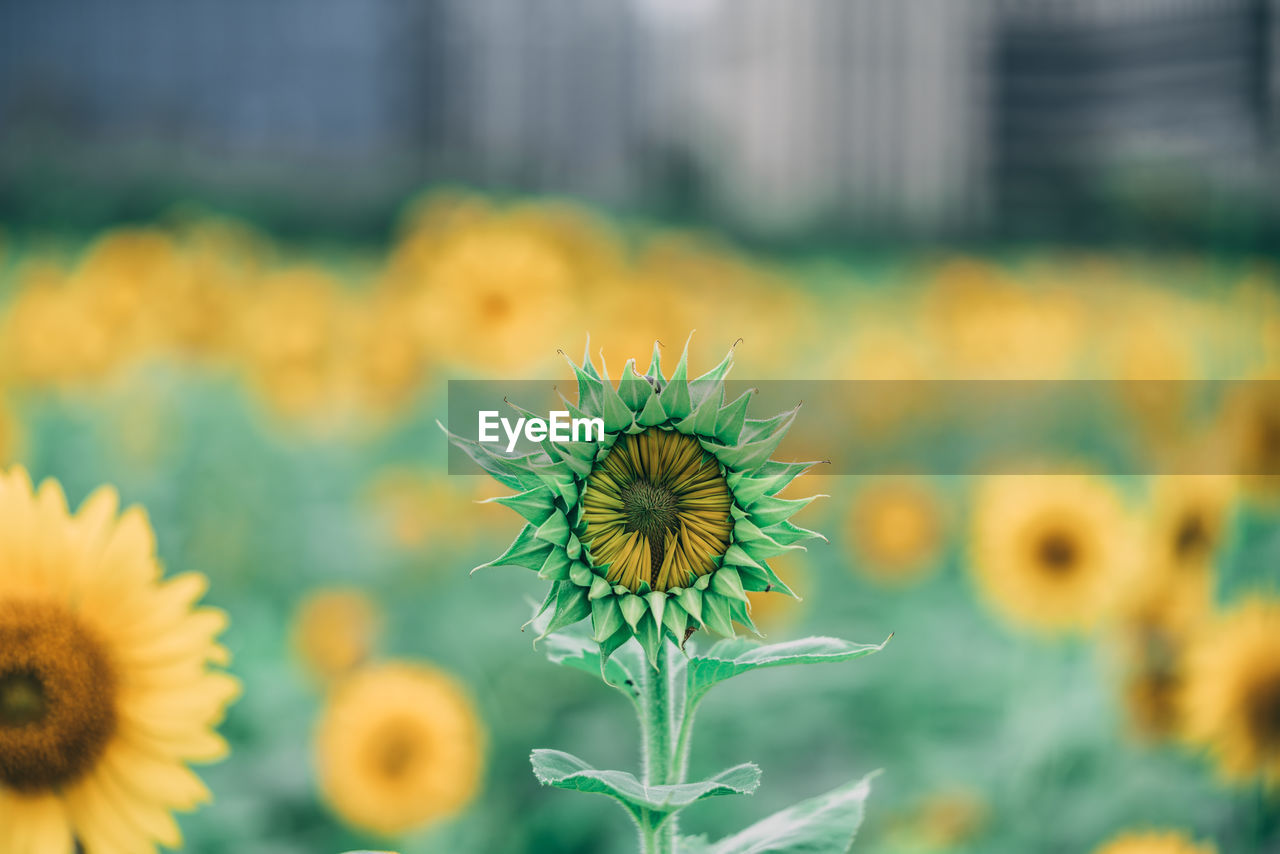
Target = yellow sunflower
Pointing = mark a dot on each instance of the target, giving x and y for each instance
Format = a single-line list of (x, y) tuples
[(398, 746), (887, 350), (1187, 524), (986, 325), (106, 688), (1251, 427), (657, 511), (895, 527), (288, 336), (11, 434), (1151, 660), (1155, 842), (118, 279), (495, 296), (50, 334), (942, 821), (1152, 356), (334, 632), (1048, 551), (1231, 699), (385, 361), (413, 508), (195, 312)]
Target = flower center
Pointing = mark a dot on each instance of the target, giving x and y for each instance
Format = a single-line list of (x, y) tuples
[(22, 699), (1269, 430), (657, 511), (394, 749), (653, 511), (57, 697), (1057, 552), (1192, 537), (1263, 710)]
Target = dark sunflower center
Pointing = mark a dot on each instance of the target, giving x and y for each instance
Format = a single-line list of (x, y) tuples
[(1057, 552), (1153, 700), (22, 699), (654, 511), (495, 306), (1192, 537), (57, 697), (395, 749), (1264, 713)]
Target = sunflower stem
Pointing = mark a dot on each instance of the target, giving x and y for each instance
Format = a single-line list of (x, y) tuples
[(684, 741), (656, 718)]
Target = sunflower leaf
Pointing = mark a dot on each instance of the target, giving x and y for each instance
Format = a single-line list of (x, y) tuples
[(826, 823), (566, 771), (573, 648), (729, 658)]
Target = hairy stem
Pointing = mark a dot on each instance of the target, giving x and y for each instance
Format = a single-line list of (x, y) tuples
[(684, 740), (660, 767)]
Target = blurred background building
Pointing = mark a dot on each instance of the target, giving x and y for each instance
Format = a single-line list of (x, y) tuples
[(966, 119)]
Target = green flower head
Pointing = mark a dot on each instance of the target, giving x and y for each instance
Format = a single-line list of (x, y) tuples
[(663, 525)]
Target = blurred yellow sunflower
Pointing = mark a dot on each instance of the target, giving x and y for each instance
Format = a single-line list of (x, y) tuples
[(118, 279), (1187, 523), (1231, 698), (497, 297), (986, 326), (414, 507), (625, 324), (398, 746), (195, 312), (1155, 842), (11, 433), (50, 335), (1151, 660), (386, 360), (1048, 551), (1251, 428), (1151, 703), (582, 236), (287, 338), (895, 526), (106, 688), (947, 820), (334, 632)]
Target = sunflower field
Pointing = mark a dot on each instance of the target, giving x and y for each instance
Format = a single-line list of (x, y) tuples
[(236, 607)]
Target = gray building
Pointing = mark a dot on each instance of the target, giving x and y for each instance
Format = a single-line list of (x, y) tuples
[(911, 117)]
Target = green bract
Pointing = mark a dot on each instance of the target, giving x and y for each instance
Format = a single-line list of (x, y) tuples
[(551, 483)]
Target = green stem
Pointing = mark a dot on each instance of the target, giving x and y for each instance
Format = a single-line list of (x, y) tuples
[(680, 756), (656, 714)]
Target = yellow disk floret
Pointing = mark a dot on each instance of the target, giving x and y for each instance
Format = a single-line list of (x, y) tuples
[(657, 510)]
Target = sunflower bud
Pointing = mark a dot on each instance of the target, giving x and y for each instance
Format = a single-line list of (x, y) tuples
[(665, 523)]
